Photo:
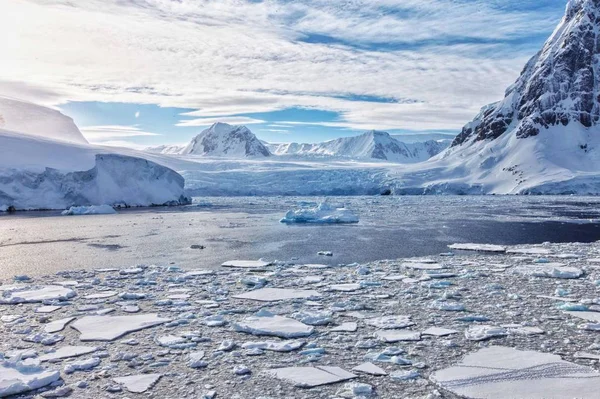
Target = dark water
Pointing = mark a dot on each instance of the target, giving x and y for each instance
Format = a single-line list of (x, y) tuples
[(249, 228)]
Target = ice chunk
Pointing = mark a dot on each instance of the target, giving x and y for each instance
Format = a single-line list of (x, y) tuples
[(323, 214), (391, 336), (390, 322), (369, 368), (423, 266), (109, 328), (275, 346), (589, 316), (277, 294), (82, 365), (484, 332), (18, 377), (439, 332), (44, 339), (246, 264), (353, 390), (529, 251), (345, 287), (90, 210), (272, 325), (67, 352), (556, 272), (346, 327), (195, 360), (478, 247), (310, 377), (138, 383), (499, 372), (37, 294), (58, 325), (47, 309), (101, 295)]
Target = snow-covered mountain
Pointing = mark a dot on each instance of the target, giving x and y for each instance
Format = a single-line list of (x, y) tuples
[(31, 119), (223, 140), (45, 163), (372, 145), (166, 149), (544, 136)]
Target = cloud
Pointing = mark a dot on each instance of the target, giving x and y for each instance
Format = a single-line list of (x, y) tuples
[(232, 120), (137, 114), (233, 57), (104, 134)]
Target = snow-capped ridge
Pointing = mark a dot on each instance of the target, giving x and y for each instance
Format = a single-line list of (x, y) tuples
[(224, 140)]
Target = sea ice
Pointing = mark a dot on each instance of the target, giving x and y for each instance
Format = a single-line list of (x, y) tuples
[(37, 294), (500, 372), (138, 383), (275, 346), (556, 272), (18, 377), (246, 264), (47, 309), (109, 328), (323, 214), (439, 332), (370, 368), (390, 322), (484, 332), (277, 294), (346, 327), (423, 266), (195, 360), (57, 325), (345, 287), (90, 210), (310, 377), (391, 336), (67, 352), (81, 365), (478, 247), (273, 325)]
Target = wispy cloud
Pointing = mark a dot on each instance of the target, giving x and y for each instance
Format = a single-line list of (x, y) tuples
[(232, 120), (233, 57), (106, 133)]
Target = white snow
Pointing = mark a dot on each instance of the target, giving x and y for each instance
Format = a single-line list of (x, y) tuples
[(109, 328), (90, 210), (323, 213), (223, 140), (499, 372)]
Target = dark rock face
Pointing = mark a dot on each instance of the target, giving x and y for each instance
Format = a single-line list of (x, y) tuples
[(559, 85)]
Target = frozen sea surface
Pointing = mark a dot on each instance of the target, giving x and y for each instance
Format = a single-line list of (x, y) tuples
[(214, 230)]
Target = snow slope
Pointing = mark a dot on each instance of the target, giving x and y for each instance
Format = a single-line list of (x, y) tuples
[(35, 120), (37, 173), (166, 149), (223, 140), (373, 145)]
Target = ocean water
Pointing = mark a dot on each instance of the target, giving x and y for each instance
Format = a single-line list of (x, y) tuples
[(38, 243)]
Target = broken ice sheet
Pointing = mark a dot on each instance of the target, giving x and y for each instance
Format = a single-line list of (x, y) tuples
[(272, 325), (484, 332), (277, 294), (57, 325), (275, 346), (246, 264), (392, 336), (370, 368), (109, 328), (310, 377), (23, 376), (390, 322), (37, 294), (67, 352), (346, 327), (500, 372), (439, 332), (138, 383), (345, 287), (478, 247)]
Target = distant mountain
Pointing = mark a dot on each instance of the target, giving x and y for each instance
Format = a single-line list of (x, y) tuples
[(223, 140), (422, 137), (165, 149), (372, 145), (35, 120), (544, 136)]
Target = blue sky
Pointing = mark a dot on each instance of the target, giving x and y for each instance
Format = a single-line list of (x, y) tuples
[(149, 72)]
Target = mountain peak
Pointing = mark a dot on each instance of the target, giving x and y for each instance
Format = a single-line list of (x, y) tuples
[(224, 140)]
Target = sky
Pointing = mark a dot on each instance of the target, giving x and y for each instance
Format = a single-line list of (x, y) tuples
[(141, 73)]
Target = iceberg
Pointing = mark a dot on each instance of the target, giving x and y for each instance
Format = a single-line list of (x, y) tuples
[(324, 213), (90, 210)]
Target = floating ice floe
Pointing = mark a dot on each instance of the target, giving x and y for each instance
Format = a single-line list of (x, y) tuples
[(589, 316), (277, 294), (439, 332), (68, 351), (423, 266), (478, 247), (195, 360), (390, 322), (370, 368), (345, 287), (44, 339), (82, 365), (266, 324), (500, 372), (353, 390), (529, 251), (346, 327), (554, 272), (109, 328), (138, 383), (484, 332), (246, 264), (322, 214), (310, 377), (392, 336), (24, 294), (57, 325), (47, 309), (22, 376), (275, 346), (90, 210)]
